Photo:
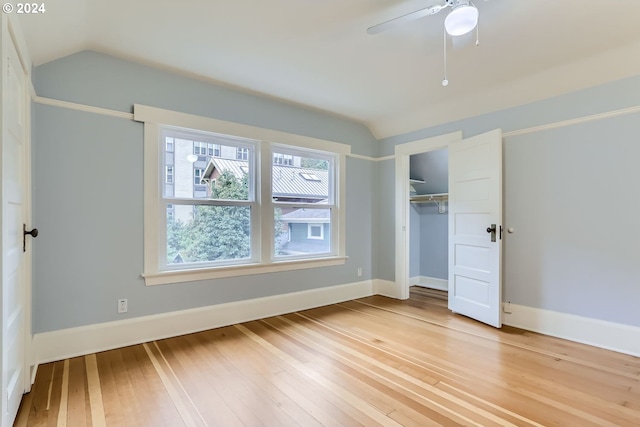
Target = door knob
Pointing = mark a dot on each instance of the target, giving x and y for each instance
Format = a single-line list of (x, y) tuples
[(492, 230), (32, 233)]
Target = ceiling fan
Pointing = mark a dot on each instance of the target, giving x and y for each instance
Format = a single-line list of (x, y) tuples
[(462, 18)]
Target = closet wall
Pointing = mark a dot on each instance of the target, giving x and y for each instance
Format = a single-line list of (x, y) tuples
[(428, 259)]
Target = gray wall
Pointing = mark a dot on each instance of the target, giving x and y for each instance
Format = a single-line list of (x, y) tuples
[(570, 193), (572, 196), (434, 242), (428, 241), (414, 240), (88, 190), (384, 236)]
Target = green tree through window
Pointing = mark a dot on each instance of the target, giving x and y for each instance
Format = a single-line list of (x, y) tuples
[(216, 232)]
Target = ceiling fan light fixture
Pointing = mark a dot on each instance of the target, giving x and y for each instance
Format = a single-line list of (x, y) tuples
[(462, 19)]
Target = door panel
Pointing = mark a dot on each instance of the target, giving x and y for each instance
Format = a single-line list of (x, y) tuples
[(475, 203), (14, 137)]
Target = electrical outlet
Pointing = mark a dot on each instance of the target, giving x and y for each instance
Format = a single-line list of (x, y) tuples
[(359, 271), (122, 305), (506, 307)]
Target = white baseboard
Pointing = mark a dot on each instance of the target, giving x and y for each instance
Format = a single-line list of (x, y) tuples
[(599, 333), (429, 282), (385, 288), (62, 344), (66, 343)]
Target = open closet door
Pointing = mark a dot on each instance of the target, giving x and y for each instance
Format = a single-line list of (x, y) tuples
[(475, 227)]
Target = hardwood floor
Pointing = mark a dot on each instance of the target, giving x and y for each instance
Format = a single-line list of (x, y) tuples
[(373, 361)]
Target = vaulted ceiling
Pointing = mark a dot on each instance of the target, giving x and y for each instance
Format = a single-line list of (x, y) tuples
[(316, 53)]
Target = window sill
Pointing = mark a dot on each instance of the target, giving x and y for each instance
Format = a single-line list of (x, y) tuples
[(180, 276)]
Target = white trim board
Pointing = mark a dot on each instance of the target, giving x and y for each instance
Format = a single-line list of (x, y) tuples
[(385, 288), (599, 333), (553, 125), (429, 282), (66, 343)]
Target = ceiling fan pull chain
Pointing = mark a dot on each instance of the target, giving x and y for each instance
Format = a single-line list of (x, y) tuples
[(445, 82)]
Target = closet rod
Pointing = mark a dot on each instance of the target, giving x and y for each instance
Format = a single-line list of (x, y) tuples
[(422, 198)]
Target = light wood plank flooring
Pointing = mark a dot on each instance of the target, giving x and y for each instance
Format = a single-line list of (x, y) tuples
[(369, 362)]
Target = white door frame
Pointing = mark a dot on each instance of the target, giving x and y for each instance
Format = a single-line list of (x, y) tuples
[(402, 154)]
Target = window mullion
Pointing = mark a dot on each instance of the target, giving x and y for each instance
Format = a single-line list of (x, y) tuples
[(266, 203), (207, 202)]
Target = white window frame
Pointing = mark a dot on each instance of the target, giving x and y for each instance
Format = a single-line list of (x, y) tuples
[(251, 147), (332, 200), (168, 174), (155, 219)]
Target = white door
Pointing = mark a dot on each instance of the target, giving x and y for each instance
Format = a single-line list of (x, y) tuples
[(475, 208), (14, 259)]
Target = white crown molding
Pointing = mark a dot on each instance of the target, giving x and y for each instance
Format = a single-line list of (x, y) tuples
[(81, 107), (585, 119), (554, 125)]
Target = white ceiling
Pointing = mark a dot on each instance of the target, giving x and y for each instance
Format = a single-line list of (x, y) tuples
[(317, 53)]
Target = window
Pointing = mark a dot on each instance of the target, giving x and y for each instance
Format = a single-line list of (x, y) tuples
[(236, 228), (310, 176), (200, 148), (169, 145), (282, 159), (197, 176), (242, 154), (304, 202), (315, 231), (214, 150), (168, 174), (214, 227)]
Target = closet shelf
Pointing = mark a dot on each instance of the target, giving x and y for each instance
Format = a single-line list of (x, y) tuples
[(425, 198)]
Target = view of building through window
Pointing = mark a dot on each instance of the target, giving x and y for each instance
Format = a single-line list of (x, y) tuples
[(210, 202)]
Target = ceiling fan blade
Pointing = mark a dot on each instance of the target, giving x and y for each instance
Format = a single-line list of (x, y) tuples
[(409, 17)]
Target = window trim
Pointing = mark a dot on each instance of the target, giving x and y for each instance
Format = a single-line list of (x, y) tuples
[(153, 118)]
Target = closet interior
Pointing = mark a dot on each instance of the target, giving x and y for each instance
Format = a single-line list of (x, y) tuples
[(429, 219)]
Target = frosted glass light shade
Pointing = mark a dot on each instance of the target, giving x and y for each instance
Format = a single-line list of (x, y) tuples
[(461, 20)]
